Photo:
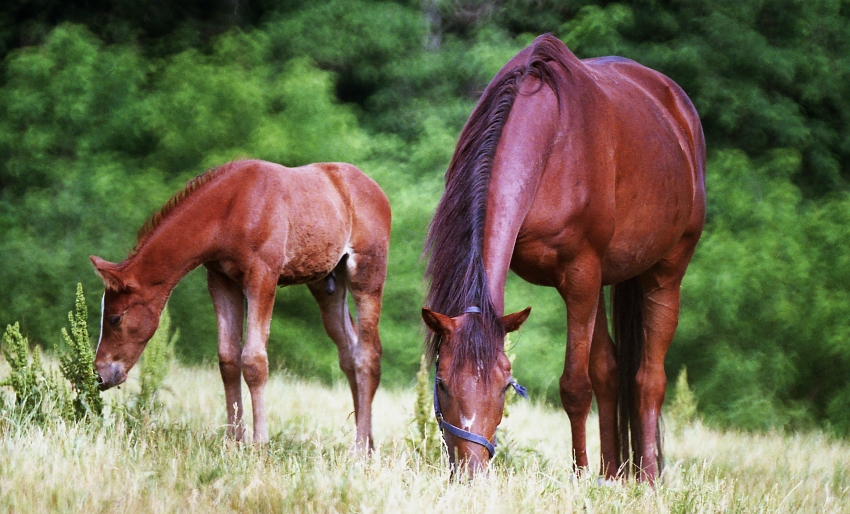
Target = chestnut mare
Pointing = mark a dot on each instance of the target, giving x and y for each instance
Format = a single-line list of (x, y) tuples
[(256, 225), (574, 174)]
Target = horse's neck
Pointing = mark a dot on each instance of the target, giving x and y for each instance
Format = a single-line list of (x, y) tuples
[(506, 210), (515, 175)]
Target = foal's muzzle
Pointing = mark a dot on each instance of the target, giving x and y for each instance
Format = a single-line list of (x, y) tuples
[(110, 375)]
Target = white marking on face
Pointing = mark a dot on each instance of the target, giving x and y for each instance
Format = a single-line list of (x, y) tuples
[(100, 337), (466, 423)]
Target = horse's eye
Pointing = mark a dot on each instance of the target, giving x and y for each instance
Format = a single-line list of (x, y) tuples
[(114, 319), (442, 386)]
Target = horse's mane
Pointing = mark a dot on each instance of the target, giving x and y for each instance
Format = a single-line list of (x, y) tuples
[(455, 238), (149, 227)]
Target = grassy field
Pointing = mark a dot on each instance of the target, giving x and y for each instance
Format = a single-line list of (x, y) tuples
[(179, 461)]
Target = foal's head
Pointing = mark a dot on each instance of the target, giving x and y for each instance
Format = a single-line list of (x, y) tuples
[(469, 398), (129, 318)]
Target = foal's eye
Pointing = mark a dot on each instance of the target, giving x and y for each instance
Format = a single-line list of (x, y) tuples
[(114, 319)]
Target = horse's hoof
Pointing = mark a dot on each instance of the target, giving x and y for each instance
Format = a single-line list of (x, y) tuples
[(606, 482)]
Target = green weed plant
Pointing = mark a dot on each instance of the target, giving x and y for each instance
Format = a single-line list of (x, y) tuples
[(155, 363), (683, 407), (77, 364), (33, 386), (41, 393), (425, 438)]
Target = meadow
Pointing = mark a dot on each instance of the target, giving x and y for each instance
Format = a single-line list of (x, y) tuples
[(178, 459)]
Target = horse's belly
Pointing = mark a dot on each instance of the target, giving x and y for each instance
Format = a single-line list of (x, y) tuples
[(634, 248)]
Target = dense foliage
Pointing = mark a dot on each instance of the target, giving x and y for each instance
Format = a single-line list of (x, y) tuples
[(107, 108)]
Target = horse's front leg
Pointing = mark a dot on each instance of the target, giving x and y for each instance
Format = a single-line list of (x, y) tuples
[(579, 286), (229, 303), (255, 363)]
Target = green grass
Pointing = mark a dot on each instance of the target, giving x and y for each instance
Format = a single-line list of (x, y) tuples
[(179, 460)]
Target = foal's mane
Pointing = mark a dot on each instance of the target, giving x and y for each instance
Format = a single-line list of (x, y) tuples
[(455, 238), (149, 227)]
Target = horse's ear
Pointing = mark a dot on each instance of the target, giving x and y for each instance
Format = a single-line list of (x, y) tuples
[(514, 321), (439, 323), (108, 272)]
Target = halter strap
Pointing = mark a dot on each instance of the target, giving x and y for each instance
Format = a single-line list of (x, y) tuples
[(459, 432), (465, 434), (472, 310)]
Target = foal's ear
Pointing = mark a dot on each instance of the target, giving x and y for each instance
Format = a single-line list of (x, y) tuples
[(108, 272), (514, 321), (439, 323)]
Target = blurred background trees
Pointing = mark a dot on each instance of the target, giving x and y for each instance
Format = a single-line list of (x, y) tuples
[(109, 107)]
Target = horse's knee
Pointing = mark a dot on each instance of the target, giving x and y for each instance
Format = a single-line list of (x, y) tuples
[(576, 393), (230, 369), (255, 368)]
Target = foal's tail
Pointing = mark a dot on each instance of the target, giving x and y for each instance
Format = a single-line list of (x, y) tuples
[(627, 312)]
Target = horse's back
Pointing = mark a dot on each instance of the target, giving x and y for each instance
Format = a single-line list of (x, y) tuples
[(681, 115)]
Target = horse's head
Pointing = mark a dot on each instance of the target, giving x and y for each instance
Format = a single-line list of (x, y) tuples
[(469, 400), (129, 318)]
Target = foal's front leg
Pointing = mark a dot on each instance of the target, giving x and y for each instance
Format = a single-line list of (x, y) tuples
[(229, 303), (255, 362)]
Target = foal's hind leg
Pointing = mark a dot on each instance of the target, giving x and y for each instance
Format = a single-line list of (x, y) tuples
[(360, 347), (229, 303), (603, 376)]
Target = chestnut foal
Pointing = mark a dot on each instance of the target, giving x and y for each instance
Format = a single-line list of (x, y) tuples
[(256, 225)]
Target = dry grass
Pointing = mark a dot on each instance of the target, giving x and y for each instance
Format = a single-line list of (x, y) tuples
[(180, 461)]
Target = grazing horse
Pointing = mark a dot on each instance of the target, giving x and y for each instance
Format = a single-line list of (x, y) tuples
[(575, 174), (256, 225)]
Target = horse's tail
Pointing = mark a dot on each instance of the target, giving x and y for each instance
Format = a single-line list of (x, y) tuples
[(627, 312)]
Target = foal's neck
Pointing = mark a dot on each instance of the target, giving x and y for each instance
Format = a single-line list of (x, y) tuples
[(177, 246)]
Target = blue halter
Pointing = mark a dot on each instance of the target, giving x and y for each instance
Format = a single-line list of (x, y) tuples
[(459, 432), (465, 434)]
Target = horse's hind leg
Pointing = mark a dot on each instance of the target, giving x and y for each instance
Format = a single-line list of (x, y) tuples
[(360, 347), (603, 376), (229, 303), (661, 285)]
